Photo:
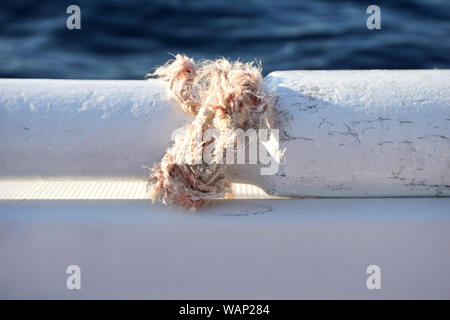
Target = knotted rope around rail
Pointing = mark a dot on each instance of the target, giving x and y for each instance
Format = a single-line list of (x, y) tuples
[(219, 95)]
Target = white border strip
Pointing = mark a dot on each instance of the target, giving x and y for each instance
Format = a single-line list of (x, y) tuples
[(96, 189)]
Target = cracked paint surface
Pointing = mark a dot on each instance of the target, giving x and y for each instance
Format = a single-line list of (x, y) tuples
[(352, 133)]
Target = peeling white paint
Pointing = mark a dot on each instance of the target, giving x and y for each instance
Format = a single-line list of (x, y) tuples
[(372, 133)]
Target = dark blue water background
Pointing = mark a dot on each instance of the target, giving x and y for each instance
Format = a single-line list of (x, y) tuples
[(127, 39)]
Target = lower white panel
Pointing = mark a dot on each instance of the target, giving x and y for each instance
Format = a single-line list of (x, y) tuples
[(246, 249)]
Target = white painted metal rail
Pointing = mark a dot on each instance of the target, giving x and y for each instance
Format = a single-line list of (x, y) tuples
[(346, 133)]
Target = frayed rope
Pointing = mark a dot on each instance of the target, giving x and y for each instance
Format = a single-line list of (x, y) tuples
[(219, 95)]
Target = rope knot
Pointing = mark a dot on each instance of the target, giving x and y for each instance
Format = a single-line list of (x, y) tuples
[(220, 95)]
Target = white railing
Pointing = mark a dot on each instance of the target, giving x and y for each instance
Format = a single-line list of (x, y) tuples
[(346, 133)]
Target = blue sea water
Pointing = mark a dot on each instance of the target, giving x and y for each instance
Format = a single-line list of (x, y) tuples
[(126, 39)]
